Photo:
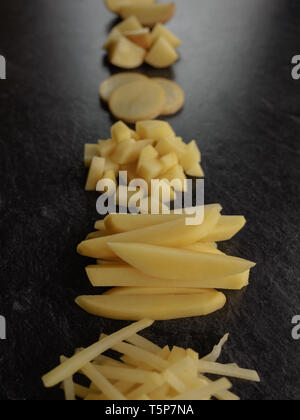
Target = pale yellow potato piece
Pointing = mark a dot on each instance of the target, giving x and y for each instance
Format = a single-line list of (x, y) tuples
[(169, 161), (175, 264), (140, 37), (100, 225), (90, 151), (112, 83), (169, 144), (226, 229), (175, 234), (130, 168), (162, 54), (161, 308), (191, 156), (149, 169), (149, 14), (156, 130), (126, 54), (128, 151), (111, 166), (161, 31), (129, 24), (195, 171), (147, 154), (120, 132), (113, 37), (153, 291), (174, 94), (94, 235), (110, 175), (137, 101), (163, 192), (120, 275), (95, 173), (202, 247), (115, 5), (176, 174), (106, 147)]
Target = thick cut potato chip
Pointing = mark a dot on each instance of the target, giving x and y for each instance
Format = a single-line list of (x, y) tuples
[(174, 94), (114, 82), (137, 101)]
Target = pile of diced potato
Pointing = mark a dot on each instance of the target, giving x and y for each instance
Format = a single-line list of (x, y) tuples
[(152, 151), (161, 267), (130, 44), (145, 371)]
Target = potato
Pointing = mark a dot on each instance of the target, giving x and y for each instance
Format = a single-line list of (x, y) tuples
[(162, 54), (130, 169), (151, 205), (100, 225), (120, 132), (126, 55), (175, 264), (191, 156), (94, 235), (163, 191), (129, 24), (111, 166), (145, 307), (124, 196), (149, 169), (149, 14), (147, 154), (112, 38), (174, 95), (176, 173), (195, 171), (169, 144), (121, 275), (203, 247), (95, 173), (111, 176), (115, 5), (137, 101), (140, 37), (153, 291), (168, 162), (112, 83), (90, 151), (161, 31), (176, 233), (106, 147), (226, 229), (128, 151), (156, 130)]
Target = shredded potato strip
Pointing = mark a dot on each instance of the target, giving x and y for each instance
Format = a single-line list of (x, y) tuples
[(68, 385), (205, 392), (144, 344), (232, 371)]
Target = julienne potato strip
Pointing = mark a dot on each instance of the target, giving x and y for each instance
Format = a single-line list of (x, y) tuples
[(146, 371)]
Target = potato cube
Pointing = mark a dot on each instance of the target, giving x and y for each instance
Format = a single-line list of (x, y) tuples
[(111, 166), (195, 171), (95, 173), (125, 54), (110, 175), (155, 130), (106, 147), (120, 132), (170, 145), (169, 161), (149, 169), (130, 169), (162, 54), (148, 153), (176, 174), (90, 151), (161, 31)]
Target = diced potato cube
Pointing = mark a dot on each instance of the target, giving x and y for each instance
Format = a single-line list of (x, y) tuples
[(129, 151), (149, 169), (161, 31), (148, 153), (176, 174), (120, 132), (106, 147), (126, 55), (162, 54), (95, 173), (169, 161), (170, 145), (195, 170), (111, 176), (191, 157), (155, 130), (90, 151)]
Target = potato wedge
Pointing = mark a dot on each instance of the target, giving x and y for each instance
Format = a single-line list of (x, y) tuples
[(112, 83), (115, 5), (126, 54), (161, 31), (154, 291), (112, 38), (137, 101), (140, 37), (203, 248), (149, 14), (226, 229), (145, 307), (174, 95), (162, 54), (156, 130), (95, 173), (175, 264), (176, 233), (121, 275), (129, 24)]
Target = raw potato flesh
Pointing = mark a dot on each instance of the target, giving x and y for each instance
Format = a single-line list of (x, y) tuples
[(161, 30), (164, 307), (226, 229), (140, 37), (126, 55), (95, 173), (176, 234), (176, 264), (149, 14), (154, 291), (130, 24), (115, 5), (162, 54), (137, 101), (174, 94), (156, 130), (112, 83), (120, 275), (90, 151)]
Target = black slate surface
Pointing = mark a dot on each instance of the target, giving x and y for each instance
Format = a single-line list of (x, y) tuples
[(243, 108)]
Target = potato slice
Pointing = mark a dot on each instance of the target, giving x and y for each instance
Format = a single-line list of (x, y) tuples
[(115, 5), (175, 264), (162, 54), (122, 275), (145, 307), (126, 55), (153, 291), (174, 94), (226, 229), (176, 233), (114, 82), (138, 101), (161, 31), (90, 151), (95, 173), (141, 37), (149, 14), (156, 130)]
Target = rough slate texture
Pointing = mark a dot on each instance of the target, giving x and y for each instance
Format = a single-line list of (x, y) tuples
[(243, 108)]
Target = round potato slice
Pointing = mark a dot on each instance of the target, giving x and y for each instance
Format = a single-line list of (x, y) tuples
[(138, 101), (174, 96), (114, 82)]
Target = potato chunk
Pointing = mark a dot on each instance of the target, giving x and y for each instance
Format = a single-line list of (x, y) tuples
[(126, 55), (115, 5), (95, 173), (140, 37), (161, 31), (155, 130), (162, 54), (149, 14)]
